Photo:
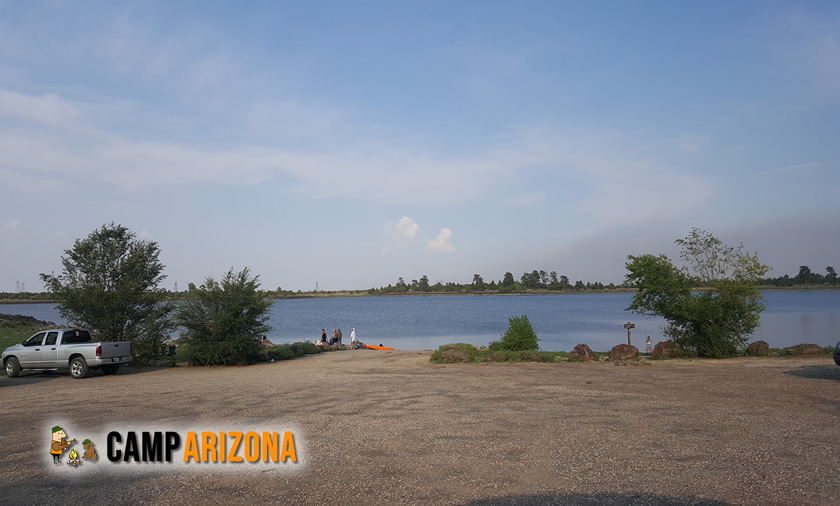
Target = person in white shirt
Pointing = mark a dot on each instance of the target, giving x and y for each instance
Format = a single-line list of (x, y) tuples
[(353, 339)]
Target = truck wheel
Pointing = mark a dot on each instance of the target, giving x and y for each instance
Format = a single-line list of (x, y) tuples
[(110, 369), (78, 367), (12, 367)]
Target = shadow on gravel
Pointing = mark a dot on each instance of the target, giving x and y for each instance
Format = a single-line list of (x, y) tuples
[(30, 377), (78, 490), (826, 372), (595, 499), (26, 379)]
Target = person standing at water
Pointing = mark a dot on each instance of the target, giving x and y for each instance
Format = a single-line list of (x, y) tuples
[(648, 345), (339, 337), (323, 336), (334, 338), (353, 339)]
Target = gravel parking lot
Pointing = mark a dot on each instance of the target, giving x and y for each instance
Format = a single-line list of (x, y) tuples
[(392, 428)]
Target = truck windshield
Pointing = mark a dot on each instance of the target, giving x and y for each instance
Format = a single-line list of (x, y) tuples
[(75, 336)]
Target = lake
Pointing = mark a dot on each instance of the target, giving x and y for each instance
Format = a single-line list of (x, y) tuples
[(561, 321)]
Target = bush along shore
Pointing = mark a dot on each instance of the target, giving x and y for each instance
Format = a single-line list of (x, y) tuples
[(462, 352)]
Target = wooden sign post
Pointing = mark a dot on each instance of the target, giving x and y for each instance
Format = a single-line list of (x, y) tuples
[(629, 326)]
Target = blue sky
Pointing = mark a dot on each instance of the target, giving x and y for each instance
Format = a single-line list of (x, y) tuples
[(351, 143)]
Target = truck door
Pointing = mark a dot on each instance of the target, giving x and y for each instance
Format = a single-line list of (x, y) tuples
[(30, 355), (49, 351)]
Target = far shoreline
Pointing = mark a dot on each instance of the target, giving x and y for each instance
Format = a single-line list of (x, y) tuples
[(364, 293)]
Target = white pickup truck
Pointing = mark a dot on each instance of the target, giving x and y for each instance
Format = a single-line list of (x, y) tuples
[(72, 349)]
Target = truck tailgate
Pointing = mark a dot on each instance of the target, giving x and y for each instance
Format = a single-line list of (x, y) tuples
[(111, 349)]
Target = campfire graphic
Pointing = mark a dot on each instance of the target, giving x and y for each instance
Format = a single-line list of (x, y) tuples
[(74, 458)]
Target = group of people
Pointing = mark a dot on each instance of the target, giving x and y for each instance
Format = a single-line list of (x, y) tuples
[(336, 338)]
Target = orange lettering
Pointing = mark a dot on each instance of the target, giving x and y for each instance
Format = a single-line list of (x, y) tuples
[(252, 443), (237, 437), (208, 447), (288, 448), (269, 446), (191, 448)]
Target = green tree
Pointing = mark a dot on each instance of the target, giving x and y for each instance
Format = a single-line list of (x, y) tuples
[(715, 322), (110, 284), (423, 284), (507, 281), (225, 322), (831, 275), (804, 275), (478, 284), (520, 336)]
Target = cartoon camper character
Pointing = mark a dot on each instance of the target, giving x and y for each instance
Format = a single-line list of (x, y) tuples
[(90, 452), (59, 444)]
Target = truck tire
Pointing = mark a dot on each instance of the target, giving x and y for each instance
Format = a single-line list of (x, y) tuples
[(78, 367), (12, 367), (110, 369)]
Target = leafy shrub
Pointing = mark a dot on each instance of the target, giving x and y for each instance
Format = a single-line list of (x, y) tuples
[(307, 347), (487, 355), (224, 320), (472, 351), (297, 349), (281, 353), (520, 336)]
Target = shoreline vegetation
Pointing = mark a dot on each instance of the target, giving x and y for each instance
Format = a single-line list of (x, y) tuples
[(46, 297), (536, 282), (15, 328)]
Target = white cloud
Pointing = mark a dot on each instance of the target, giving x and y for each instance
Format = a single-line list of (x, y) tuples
[(47, 109), (11, 225), (361, 166), (441, 242), (406, 227), (146, 235)]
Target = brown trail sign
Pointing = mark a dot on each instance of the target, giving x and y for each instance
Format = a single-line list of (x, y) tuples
[(629, 326)]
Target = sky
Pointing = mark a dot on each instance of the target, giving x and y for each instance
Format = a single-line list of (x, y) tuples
[(351, 143)]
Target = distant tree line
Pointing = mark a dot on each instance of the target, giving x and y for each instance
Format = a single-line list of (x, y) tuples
[(805, 277), (534, 280)]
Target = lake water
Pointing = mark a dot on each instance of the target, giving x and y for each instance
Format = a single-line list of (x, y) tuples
[(560, 321)]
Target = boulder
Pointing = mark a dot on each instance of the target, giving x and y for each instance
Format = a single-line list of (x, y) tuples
[(582, 353), (496, 357), (758, 349), (454, 354), (623, 352), (665, 349), (804, 349)]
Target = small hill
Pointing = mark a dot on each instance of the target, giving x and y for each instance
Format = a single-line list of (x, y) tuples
[(19, 320)]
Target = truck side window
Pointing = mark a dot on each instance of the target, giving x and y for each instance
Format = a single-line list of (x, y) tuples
[(51, 338), (75, 336), (35, 340)]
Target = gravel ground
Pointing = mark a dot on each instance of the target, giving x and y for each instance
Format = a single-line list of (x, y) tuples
[(392, 428)]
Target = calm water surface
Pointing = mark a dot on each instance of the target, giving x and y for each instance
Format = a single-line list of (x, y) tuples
[(561, 321)]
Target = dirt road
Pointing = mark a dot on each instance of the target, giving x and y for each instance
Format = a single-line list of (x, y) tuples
[(392, 428)]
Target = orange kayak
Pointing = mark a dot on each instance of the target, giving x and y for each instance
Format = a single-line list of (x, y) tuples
[(373, 347)]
